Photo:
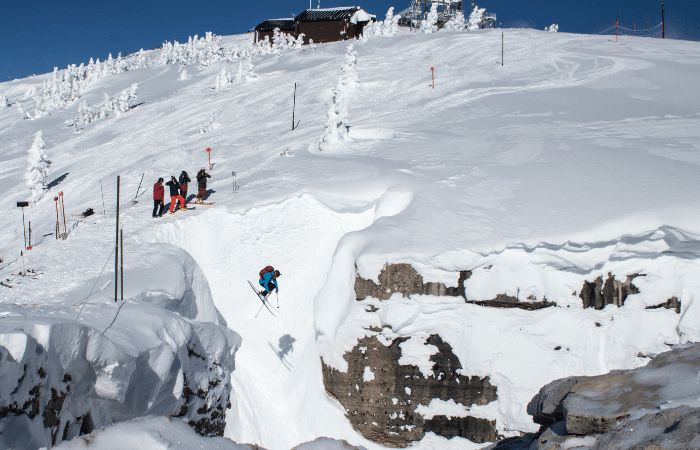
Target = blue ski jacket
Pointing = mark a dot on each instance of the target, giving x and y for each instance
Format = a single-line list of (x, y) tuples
[(265, 280)]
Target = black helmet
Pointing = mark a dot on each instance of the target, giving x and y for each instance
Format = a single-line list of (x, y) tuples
[(160, 180), (277, 273)]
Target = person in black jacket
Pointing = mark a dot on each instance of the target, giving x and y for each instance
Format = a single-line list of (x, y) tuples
[(175, 194), (184, 180), (202, 184)]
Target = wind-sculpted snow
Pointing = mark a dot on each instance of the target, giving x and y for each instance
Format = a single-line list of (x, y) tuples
[(61, 378)]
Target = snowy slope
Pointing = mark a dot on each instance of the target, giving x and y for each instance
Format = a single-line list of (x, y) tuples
[(577, 158)]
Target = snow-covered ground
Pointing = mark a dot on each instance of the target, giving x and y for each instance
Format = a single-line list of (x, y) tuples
[(577, 158)]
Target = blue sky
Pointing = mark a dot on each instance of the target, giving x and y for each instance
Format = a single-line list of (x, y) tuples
[(38, 35)]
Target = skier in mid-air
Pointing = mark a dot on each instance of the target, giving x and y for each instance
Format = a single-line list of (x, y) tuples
[(268, 280)]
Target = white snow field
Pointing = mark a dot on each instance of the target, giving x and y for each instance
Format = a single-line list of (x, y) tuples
[(577, 158)]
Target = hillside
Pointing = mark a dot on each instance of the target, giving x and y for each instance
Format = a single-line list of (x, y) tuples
[(565, 178)]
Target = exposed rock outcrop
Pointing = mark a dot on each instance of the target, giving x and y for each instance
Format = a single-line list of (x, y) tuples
[(595, 294), (404, 279), (671, 303), (380, 395), (652, 407)]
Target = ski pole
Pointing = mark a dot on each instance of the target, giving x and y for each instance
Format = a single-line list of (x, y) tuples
[(277, 294), (256, 316)]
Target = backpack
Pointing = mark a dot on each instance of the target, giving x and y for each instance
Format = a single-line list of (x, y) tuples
[(266, 270)]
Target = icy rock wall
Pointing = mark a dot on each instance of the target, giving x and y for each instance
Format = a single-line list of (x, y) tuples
[(60, 379), (655, 406), (382, 406)]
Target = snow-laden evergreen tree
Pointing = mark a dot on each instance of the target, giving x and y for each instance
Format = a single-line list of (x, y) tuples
[(183, 73), (38, 169), (336, 124), (554, 28), (250, 70), (299, 42), (125, 98), (278, 40), (430, 24), (222, 79), (456, 23), (4, 102), (475, 18), (140, 61), (22, 112), (390, 27), (29, 93)]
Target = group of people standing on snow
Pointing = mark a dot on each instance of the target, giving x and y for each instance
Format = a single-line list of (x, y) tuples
[(178, 191)]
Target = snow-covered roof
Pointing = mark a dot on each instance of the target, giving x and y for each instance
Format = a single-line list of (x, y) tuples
[(328, 13), (361, 16), (271, 24)]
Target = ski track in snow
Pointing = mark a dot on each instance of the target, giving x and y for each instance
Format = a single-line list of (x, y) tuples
[(576, 158)]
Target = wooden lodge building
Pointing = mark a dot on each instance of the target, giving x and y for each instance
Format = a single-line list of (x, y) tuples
[(319, 25)]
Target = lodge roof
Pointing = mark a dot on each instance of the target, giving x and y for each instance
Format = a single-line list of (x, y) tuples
[(271, 24), (312, 15)]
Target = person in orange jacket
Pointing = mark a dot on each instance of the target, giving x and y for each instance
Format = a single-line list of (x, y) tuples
[(158, 198), (175, 194)]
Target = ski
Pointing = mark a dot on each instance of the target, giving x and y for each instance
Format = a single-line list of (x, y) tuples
[(206, 204), (262, 299)]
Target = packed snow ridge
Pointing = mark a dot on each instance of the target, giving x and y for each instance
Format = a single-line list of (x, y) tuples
[(405, 216)]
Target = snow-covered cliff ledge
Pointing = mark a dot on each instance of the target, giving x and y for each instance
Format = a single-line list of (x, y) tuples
[(61, 377)]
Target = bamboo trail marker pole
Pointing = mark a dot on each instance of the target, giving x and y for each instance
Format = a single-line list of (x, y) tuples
[(209, 153), (502, 49), (104, 209), (63, 209), (58, 224), (30, 236), (432, 74), (139, 189), (616, 31), (116, 255), (295, 105), (121, 251)]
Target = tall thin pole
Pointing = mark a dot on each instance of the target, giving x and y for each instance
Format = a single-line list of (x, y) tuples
[(116, 254), (121, 252), (139, 189), (663, 23), (501, 49), (104, 209), (24, 228), (30, 231), (63, 209), (295, 105)]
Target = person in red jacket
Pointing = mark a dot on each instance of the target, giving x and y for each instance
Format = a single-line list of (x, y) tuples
[(158, 196)]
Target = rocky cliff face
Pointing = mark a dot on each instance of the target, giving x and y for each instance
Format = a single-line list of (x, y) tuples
[(380, 395), (652, 407)]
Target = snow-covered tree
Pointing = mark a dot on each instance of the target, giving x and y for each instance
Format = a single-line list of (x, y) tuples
[(22, 112), (553, 28), (125, 98), (38, 169), (456, 23), (250, 70), (336, 124), (475, 18), (222, 79), (29, 93), (183, 73), (140, 61), (430, 24), (4, 102), (390, 26)]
